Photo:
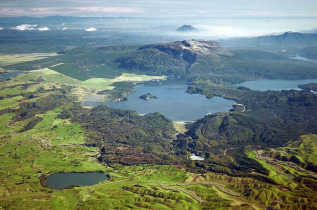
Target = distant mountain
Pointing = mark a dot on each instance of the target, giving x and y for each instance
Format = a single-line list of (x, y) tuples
[(289, 43), (289, 38), (186, 28), (208, 59)]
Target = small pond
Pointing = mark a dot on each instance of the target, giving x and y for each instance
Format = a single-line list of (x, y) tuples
[(172, 101), (58, 181)]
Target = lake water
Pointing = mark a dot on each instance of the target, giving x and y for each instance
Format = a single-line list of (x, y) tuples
[(172, 101), (267, 84), (60, 181), (297, 57), (6, 76)]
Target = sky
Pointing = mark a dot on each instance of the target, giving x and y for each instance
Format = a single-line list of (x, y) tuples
[(159, 8)]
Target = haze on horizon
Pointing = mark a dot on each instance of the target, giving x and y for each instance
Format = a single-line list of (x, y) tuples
[(159, 8), (212, 18)]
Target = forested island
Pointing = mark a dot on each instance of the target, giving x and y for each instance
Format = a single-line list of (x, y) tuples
[(148, 96)]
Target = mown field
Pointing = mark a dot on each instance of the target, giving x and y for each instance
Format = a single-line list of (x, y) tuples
[(10, 59)]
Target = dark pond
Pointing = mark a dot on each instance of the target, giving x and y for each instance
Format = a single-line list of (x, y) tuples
[(60, 181), (172, 101), (6, 76), (267, 84)]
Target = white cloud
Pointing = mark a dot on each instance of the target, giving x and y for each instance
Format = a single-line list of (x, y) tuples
[(24, 27), (1, 28), (44, 29), (90, 29), (64, 28)]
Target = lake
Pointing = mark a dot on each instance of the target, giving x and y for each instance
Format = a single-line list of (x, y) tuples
[(297, 57), (6, 76), (268, 84), (60, 181), (173, 101)]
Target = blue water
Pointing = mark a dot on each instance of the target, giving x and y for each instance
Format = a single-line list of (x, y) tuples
[(267, 84), (172, 101), (297, 57), (6, 76), (60, 181)]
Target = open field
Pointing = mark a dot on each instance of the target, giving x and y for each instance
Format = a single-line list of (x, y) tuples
[(180, 127), (105, 83), (131, 77), (10, 59)]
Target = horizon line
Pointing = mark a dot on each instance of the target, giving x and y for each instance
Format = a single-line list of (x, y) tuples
[(168, 16)]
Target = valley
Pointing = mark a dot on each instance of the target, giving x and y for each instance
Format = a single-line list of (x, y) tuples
[(206, 142)]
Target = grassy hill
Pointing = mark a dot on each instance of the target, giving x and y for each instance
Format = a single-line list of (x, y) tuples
[(302, 152), (288, 43)]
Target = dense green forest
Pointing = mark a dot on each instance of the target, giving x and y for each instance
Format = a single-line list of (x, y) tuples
[(309, 86), (309, 52), (125, 136), (270, 117)]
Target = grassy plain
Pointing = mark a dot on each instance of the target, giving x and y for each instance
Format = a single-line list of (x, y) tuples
[(10, 59), (180, 127), (105, 83)]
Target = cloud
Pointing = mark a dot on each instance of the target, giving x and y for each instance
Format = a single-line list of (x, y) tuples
[(90, 29), (231, 31), (1, 28), (64, 28), (86, 10), (44, 29), (24, 27), (29, 27), (107, 9), (161, 8)]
